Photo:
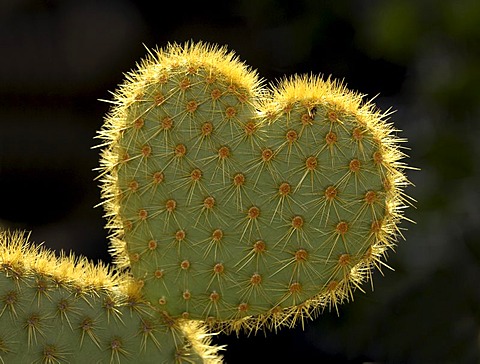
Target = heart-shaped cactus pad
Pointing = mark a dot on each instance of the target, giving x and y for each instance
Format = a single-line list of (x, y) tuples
[(242, 205)]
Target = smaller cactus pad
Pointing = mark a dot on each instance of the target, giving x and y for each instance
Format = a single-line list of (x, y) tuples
[(69, 311), (242, 205)]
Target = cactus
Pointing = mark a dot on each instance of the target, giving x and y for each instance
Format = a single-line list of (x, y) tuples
[(242, 206), (67, 310)]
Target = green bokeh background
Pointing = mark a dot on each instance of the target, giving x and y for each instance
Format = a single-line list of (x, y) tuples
[(421, 57)]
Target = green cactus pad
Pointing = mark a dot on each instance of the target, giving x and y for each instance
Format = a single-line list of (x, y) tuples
[(243, 206), (69, 311)]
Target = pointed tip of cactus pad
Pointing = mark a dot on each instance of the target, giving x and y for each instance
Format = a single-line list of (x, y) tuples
[(241, 206)]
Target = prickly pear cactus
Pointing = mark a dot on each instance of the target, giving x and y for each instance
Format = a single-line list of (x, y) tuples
[(244, 206), (70, 311)]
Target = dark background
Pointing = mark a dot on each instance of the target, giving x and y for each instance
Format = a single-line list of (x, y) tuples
[(58, 58)]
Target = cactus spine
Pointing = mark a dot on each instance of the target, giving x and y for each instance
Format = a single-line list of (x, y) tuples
[(243, 206)]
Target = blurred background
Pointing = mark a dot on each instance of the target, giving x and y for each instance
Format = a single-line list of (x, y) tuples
[(58, 58)]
